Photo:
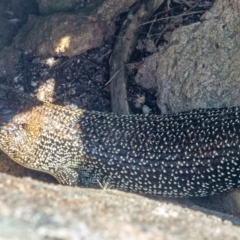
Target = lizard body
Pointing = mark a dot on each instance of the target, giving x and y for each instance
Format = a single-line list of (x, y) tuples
[(194, 153)]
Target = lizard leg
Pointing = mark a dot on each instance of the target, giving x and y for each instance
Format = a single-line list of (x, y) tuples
[(67, 176)]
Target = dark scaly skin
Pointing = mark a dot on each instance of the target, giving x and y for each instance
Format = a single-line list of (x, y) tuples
[(194, 153)]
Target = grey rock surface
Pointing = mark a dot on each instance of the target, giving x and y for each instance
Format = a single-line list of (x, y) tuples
[(21, 9), (13, 14), (53, 6), (69, 34), (34, 210), (8, 31), (62, 35), (199, 67), (110, 9), (3, 7), (9, 58)]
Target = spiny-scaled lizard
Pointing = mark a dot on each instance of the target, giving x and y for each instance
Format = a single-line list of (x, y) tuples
[(194, 153)]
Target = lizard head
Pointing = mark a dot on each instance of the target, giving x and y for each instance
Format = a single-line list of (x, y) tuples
[(38, 135), (15, 109)]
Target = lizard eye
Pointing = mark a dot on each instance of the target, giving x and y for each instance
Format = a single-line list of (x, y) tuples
[(24, 126)]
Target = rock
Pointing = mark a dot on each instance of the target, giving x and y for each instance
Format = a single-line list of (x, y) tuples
[(199, 67), (107, 9), (69, 34), (234, 200), (223, 202), (110, 9), (8, 31), (53, 6), (22, 8), (34, 210), (3, 7), (12, 16), (9, 58), (62, 35)]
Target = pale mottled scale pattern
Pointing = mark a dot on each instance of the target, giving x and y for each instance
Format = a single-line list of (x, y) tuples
[(193, 153)]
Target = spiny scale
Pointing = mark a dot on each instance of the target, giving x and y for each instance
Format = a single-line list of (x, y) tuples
[(195, 153)]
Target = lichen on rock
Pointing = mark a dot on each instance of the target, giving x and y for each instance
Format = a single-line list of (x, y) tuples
[(199, 68)]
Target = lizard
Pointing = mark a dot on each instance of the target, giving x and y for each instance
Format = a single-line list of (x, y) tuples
[(186, 154)]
